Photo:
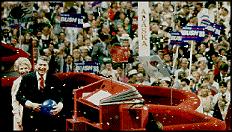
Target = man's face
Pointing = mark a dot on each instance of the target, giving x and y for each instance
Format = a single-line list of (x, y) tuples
[(108, 66), (62, 36), (214, 58), (23, 69), (69, 59), (167, 57), (222, 89), (42, 67), (183, 84), (224, 72), (164, 84), (198, 7), (46, 31), (126, 43)]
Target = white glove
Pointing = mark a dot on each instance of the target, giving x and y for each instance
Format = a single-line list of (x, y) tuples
[(57, 108)]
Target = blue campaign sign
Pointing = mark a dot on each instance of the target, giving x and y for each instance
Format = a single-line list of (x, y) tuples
[(95, 3), (176, 39), (91, 66), (79, 66), (196, 33), (205, 22), (87, 66), (213, 29), (71, 20)]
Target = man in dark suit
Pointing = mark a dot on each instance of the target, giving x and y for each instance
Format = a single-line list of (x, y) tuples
[(101, 49), (35, 88), (69, 65), (223, 73)]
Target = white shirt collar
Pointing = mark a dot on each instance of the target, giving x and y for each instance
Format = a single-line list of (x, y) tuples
[(38, 76)]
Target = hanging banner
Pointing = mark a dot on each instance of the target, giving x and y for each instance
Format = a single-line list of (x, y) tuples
[(143, 29), (196, 33), (176, 39), (119, 54), (71, 20)]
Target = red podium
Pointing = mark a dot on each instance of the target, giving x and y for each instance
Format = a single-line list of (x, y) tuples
[(108, 105)]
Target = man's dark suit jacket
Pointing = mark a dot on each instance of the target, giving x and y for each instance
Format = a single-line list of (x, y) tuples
[(65, 69), (218, 78), (98, 52), (28, 90)]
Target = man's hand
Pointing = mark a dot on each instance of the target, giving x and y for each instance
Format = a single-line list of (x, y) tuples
[(33, 106), (57, 108)]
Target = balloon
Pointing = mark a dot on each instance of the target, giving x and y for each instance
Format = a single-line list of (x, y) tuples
[(47, 106)]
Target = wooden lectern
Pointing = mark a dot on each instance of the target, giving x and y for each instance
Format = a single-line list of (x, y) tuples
[(108, 105)]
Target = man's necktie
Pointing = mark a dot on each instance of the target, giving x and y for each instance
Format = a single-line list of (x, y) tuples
[(70, 68), (41, 83)]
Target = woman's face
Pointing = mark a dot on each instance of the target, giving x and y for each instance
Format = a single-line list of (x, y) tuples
[(23, 69)]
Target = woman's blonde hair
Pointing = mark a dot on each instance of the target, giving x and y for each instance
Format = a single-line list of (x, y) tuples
[(22, 61)]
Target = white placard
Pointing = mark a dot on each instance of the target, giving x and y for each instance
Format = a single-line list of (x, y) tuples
[(143, 29), (96, 97)]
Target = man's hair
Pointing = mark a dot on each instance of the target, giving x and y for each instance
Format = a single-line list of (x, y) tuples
[(222, 83), (215, 53), (185, 80), (224, 67), (200, 4)]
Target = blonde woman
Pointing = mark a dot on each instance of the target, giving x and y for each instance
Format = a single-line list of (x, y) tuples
[(22, 65), (206, 99)]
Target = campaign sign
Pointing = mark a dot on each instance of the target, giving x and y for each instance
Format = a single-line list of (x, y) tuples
[(213, 29), (205, 22), (71, 20), (196, 33), (87, 66), (95, 3), (176, 39), (91, 66), (119, 54), (79, 66), (54, 3)]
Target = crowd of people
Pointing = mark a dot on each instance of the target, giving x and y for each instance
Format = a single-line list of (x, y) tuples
[(106, 24)]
